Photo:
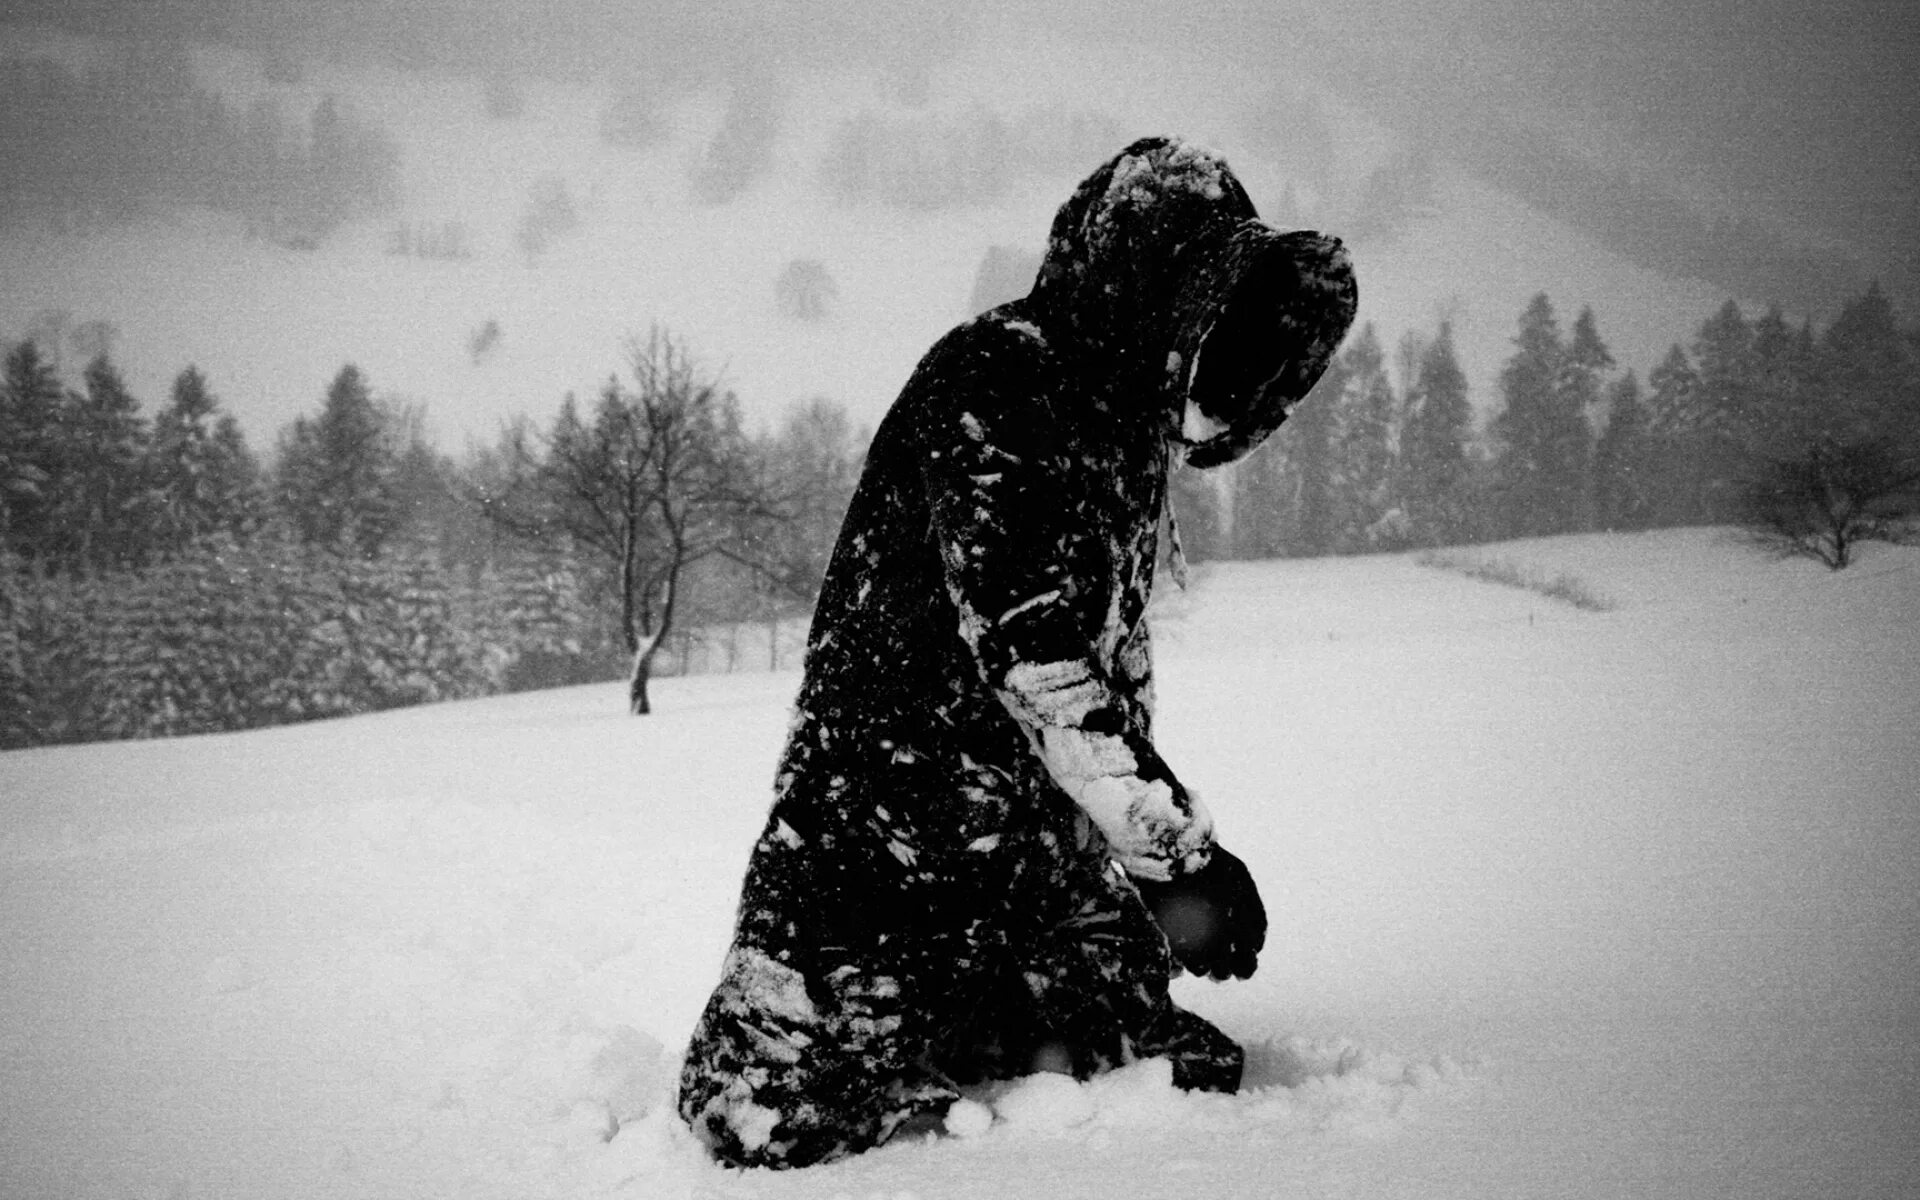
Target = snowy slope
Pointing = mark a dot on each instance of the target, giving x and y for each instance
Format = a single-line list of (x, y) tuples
[(1565, 904)]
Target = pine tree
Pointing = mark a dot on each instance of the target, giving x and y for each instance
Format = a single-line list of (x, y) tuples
[(17, 727), (1581, 385), (202, 477), (31, 401), (104, 513), (1622, 498), (335, 476), (1310, 458), (1782, 410), (1723, 426), (1433, 447), (1545, 444), (1363, 450), (1864, 366), (1674, 479), (1282, 498), (538, 620), (1265, 496)]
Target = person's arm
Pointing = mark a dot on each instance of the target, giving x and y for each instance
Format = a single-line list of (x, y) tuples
[(1010, 543)]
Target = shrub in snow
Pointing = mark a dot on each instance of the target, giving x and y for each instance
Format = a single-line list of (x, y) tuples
[(1569, 589), (1821, 502)]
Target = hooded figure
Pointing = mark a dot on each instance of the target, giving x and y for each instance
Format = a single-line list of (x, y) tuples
[(976, 865)]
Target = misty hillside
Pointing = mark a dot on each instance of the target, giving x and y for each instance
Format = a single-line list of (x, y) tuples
[(809, 231)]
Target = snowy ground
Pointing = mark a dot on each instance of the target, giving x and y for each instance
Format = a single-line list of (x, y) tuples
[(1565, 904)]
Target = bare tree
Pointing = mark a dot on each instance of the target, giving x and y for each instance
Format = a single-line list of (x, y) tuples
[(656, 480), (1836, 493)]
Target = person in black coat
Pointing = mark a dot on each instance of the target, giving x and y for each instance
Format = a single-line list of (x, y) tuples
[(976, 865)]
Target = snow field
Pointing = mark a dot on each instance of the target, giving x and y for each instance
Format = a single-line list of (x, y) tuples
[(1564, 904)]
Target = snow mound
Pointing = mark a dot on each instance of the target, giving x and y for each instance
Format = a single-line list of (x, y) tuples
[(1338, 1086), (1045, 1103), (968, 1118), (1334, 1086)]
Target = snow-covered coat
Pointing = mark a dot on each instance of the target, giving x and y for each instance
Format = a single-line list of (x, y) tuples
[(972, 742)]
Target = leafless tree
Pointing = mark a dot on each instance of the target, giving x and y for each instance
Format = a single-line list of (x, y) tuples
[(656, 479), (1838, 492)]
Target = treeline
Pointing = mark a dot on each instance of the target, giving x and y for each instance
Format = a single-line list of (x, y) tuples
[(92, 148), (156, 577), (1809, 437)]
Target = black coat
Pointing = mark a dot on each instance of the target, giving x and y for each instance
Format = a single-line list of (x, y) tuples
[(971, 750), (985, 601)]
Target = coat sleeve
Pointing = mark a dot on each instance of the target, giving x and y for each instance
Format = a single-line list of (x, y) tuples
[(1017, 558)]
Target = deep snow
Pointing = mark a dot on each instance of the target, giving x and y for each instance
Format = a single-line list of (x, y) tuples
[(1564, 904)]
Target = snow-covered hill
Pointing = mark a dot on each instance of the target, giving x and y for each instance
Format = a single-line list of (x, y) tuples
[(271, 325), (1566, 903)]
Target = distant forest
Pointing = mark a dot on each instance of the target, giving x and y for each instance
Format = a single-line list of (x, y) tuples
[(158, 575), (133, 131), (89, 149)]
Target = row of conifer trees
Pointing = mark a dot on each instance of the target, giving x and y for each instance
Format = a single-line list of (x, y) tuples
[(156, 578), (1757, 421)]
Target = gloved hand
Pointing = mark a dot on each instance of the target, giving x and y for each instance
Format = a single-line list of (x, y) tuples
[(1213, 918)]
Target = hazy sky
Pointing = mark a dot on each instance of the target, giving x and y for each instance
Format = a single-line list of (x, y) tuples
[(1795, 116), (1802, 117)]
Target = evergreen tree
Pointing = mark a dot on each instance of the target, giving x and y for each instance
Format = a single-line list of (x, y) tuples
[(1782, 408), (1545, 444), (31, 401), (103, 514), (17, 727), (1674, 480), (1433, 447), (1264, 518), (1310, 457), (1363, 450), (202, 477), (1283, 493), (1723, 429), (1581, 384), (538, 619), (1622, 498), (334, 480), (1865, 368), (429, 511)]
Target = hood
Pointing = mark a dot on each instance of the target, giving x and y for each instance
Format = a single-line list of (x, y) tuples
[(1207, 321)]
